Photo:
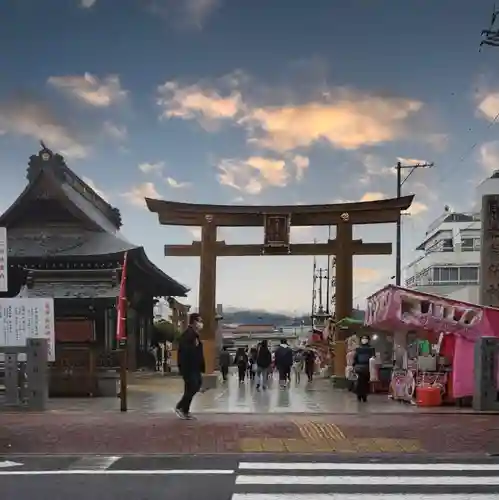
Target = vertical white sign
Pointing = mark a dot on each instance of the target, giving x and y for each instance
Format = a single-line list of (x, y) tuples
[(4, 286), (23, 318)]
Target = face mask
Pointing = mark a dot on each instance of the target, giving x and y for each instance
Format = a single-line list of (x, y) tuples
[(364, 341), (199, 325)]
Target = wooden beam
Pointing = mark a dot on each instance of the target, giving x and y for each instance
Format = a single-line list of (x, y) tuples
[(384, 216), (330, 248)]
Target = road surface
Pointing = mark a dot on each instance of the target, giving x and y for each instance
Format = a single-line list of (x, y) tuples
[(247, 477)]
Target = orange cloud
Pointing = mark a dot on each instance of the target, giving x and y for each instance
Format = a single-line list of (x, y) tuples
[(91, 90), (350, 123), (257, 172), (344, 118)]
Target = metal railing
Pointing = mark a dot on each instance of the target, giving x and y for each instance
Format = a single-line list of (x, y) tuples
[(25, 376)]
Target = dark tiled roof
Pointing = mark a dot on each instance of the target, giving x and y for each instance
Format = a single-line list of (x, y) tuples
[(51, 243)]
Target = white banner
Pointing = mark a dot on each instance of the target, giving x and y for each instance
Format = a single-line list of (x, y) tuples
[(4, 286), (23, 318)]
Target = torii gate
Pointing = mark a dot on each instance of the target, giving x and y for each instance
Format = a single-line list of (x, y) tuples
[(276, 221)]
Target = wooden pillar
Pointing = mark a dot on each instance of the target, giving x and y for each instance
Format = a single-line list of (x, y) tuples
[(344, 271), (344, 291), (207, 290)]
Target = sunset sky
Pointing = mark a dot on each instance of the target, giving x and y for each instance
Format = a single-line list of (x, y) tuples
[(253, 102)]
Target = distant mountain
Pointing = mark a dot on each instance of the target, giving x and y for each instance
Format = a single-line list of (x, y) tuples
[(255, 317)]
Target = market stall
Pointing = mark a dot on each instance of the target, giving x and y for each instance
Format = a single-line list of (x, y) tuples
[(434, 340)]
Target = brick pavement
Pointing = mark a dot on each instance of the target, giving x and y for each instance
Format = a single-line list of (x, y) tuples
[(135, 433)]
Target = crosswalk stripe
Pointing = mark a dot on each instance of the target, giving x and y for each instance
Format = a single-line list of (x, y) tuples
[(370, 480), (94, 462), (371, 466), (362, 496)]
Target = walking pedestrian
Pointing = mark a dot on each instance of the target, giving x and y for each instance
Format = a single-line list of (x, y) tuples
[(224, 362), (241, 362), (263, 363), (284, 362), (310, 358), (191, 365), (363, 354)]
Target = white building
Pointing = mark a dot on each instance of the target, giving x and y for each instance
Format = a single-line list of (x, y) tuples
[(450, 260)]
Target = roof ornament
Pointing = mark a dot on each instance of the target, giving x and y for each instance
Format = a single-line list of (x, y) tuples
[(45, 154)]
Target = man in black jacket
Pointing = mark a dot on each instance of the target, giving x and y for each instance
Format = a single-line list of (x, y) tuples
[(191, 364)]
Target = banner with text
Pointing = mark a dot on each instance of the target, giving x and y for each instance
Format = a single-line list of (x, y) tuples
[(23, 318)]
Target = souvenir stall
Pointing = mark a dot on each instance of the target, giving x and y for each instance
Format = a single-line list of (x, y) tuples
[(434, 339)]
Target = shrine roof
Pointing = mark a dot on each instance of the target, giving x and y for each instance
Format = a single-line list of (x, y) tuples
[(33, 235)]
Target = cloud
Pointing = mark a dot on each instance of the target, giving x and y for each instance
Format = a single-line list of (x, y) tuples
[(188, 13), (257, 172), (373, 196), (365, 274), (488, 105), (98, 191), (301, 163), (351, 121), (86, 4), (194, 102), (149, 168), (417, 208), (342, 117), (411, 161), (91, 90), (137, 194), (375, 167), (176, 184), (438, 141), (116, 132), (29, 117), (489, 156)]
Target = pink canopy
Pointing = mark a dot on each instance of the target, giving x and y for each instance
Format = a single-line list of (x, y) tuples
[(399, 309)]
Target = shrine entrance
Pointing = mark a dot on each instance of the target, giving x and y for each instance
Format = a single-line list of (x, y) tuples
[(277, 222)]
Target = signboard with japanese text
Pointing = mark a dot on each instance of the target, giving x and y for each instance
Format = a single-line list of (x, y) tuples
[(24, 318), (4, 286)]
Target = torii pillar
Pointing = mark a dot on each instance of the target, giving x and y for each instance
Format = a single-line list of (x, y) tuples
[(207, 296)]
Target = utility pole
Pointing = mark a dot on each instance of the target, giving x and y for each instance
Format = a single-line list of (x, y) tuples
[(400, 183)]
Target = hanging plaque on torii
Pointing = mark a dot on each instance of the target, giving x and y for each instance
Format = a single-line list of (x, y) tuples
[(276, 234)]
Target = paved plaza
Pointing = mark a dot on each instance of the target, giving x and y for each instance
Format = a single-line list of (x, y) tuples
[(154, 393), (234, 418)]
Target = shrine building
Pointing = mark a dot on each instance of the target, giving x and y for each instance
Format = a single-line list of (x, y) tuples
[(64, 241)]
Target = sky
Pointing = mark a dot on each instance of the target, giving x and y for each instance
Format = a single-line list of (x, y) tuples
[(254, 102)]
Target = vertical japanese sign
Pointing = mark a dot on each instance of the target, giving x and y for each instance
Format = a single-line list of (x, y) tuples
[(4, 286), (23, 318), (489, 252)]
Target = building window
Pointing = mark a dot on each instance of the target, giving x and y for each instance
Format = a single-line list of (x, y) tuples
[(468, 274), (467, 244), (447, 245), (449, 274)]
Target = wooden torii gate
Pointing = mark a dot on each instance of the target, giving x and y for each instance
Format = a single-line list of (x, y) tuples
[(276, 221)]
